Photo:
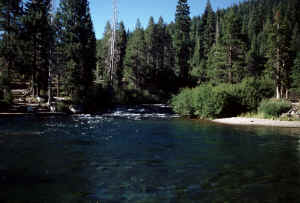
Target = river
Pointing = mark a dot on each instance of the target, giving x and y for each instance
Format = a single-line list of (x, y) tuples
[(145, 159)]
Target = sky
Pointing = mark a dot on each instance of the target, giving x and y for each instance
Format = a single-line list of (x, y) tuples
[(131, 10)]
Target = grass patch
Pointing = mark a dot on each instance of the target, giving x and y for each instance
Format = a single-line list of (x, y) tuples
[(260, 115), (274, 107)]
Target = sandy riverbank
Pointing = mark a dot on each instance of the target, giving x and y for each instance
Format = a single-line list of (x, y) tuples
[(258, 122)]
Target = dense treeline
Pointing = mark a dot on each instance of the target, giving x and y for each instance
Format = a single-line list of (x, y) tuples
[(257, 40), (40, 46)]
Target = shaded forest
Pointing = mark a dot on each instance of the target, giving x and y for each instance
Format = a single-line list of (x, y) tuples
[(238, 55)]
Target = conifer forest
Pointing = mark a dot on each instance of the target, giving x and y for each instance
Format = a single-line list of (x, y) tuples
[(221, 63)]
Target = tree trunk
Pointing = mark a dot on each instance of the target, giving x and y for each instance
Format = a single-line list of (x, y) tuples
[(33, 85), (230, 65), (278, 72), (57, 85), (278, 92)]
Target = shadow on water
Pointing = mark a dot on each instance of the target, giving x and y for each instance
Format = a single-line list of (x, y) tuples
[(99, 159)]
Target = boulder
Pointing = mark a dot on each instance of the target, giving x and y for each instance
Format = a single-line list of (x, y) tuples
[(76, 109)]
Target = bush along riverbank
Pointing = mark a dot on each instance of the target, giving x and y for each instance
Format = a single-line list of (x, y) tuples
[(223, 100)]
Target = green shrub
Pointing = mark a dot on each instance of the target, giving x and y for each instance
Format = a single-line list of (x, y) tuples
[(211, 102), (223, 100), (204, 101), (250, 92), (183, 103), (274, 107)]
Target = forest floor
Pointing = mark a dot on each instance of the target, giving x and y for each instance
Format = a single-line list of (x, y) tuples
[(26, 105), (258, 122)]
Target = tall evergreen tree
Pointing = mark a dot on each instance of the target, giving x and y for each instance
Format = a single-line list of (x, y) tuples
[(79, 44), (151, 38), (278, 53), (182, 43), (103, 54), (217, 71), (226, 59), (208, 27), (165, 78), (296, 74), (10, 56), (204, 41), (38, 36), (136, 70), (121, 50), (235, 47)]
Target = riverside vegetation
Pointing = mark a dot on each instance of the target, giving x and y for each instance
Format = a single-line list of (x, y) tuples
[(220, 63)]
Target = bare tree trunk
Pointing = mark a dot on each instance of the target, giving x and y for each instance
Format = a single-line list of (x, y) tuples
[(57, 85), (33, 84), (34, 87), (230, 65), (278, 73), (278, 92)]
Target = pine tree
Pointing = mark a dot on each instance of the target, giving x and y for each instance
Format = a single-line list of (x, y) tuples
[(79, 45), (209, 26), (38, 36), (296, 74), (198, 62), (103, 54), (10, 57), (235, 47), (121, 49), (226, 59), (182, 43), (136, 70), (165, 78), (217, 71), (163, 44), (151, 38), (205, 39), (278, 53), (255, 61)]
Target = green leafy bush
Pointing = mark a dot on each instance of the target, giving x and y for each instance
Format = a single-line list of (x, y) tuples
[(274, 107), (250, 92), (183, 102), (204, 101), (223, 100), (210, 102)]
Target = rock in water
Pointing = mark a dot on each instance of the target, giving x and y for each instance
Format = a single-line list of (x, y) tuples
[(40, 99), (76, 109), (52, 108)]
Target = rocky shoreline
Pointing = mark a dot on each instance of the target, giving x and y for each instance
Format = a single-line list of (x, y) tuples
[(258, 122)]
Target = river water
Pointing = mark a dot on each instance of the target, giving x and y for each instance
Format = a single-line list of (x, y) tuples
[(145, 159)]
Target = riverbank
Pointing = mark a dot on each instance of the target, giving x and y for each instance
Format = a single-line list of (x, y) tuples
[(10, 114), (258, 122)]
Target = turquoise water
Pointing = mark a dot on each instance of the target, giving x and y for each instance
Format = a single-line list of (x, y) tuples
[(105, 159)]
